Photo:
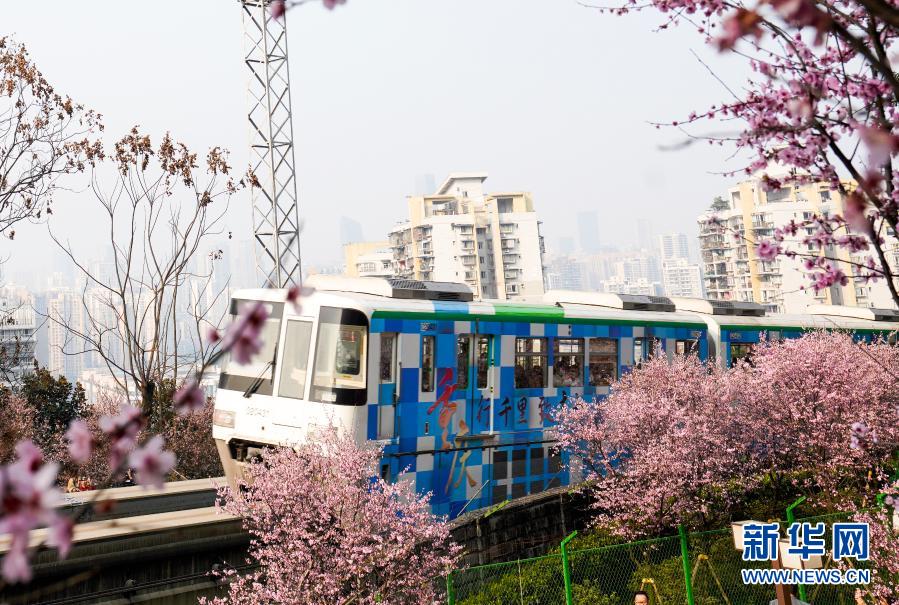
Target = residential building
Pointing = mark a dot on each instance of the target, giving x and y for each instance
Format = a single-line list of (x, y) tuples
[(728, 233), (636, 273), (368, 259), (17, 333), (680, 277), (65, 316), (491, 242), (564, 272)]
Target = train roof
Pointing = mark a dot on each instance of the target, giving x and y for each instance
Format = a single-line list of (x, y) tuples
[(729, 315), (374, 296)]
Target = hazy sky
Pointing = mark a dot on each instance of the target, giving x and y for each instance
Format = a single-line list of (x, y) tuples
[(545, 95)]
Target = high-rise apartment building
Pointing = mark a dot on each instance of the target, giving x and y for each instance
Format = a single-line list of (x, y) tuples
[(17, 333), (491, 242), (679, 276), (65, 312), (728, 234)]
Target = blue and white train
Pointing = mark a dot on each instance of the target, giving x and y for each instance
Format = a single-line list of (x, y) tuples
[(461, 393)]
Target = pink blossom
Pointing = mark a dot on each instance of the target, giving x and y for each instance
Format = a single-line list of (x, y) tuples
[(881, 144), (122, 431), (28, 495), (861, 436), (213, 336), (60, 535), (242, 338), (278, 8), (741, 22), (767, 251), (81, 441), (151, 462), (296, 293), (189, 399), (330, 4)]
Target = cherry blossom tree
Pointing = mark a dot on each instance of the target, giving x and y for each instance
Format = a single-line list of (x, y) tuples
[(327, 530), (821, 103), (824, 412), (683, 443), (658, 450)]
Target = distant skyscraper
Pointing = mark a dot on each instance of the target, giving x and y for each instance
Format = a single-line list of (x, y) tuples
[(588, 231), (645, 233), (350, 231), (425, 184), (674, 246)]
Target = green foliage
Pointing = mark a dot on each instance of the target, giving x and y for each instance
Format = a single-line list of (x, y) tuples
[(55, 403)]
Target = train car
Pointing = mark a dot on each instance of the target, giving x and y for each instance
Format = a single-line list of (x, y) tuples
[(734, 328), (459, 393)]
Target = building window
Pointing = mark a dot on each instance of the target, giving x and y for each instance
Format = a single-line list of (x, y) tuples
[(603, 361), (530, 363), (779, 195), (427, 364), (504, 205), (388, 352), (568, 369), (463, 360)]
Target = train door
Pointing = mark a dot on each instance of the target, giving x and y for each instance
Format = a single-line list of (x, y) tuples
[(388, 384), (475, 354)]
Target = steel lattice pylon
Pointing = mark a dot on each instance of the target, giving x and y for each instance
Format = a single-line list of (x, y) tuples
[(276, 226)]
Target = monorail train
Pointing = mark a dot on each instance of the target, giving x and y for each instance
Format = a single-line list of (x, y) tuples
[(461, 393)]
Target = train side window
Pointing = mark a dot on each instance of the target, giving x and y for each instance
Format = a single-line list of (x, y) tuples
[(340, 354), (483, 351), (568, 367), (686, 347), (740, 352), (530, 363), (603, 361), (388, 357), (640, 350), (463, 360), (427, 364), (295, 362)]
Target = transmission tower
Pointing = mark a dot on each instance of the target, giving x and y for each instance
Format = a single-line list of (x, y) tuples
[(276, 226)]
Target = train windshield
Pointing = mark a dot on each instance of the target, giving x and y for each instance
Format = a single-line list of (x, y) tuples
[(259, 372), (339, 368)]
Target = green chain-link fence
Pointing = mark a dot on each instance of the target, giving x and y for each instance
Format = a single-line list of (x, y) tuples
[(610, 575)]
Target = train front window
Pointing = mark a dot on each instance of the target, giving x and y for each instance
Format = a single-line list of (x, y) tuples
[(340, 357), (261, 367), (295, 361)]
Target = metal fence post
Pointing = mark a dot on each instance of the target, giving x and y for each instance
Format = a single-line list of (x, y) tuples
[(566, 570), (450, 589), (685, 559), (791, 518)]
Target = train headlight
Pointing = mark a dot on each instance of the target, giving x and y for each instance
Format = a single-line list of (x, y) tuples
[(223, 418)]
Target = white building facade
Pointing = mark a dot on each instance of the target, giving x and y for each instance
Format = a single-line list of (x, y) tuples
[(491, 242)]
